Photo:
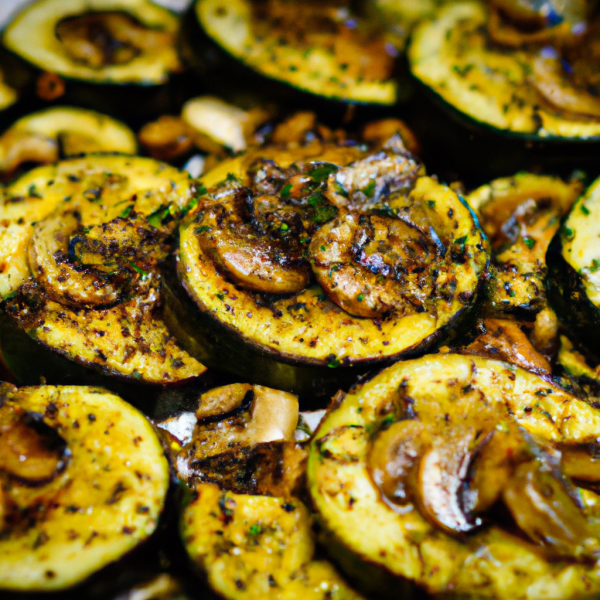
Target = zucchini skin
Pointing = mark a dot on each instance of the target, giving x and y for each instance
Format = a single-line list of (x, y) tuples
[(456, 146), (210, 341), (30, 363), (231, 79), (568, 298), (223, 350)]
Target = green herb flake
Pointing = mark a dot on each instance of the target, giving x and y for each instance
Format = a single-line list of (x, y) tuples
[(137, 269), (595, 265), (322, 172), (33, 191), (126, 212), (360, 297), (284, 227), (255, 530), (323, 248), (370, 189), (529, 242), (231, 178), (585, 210), (461, 241), (431, 203), (202, 229), (334, 363), (286, 190)]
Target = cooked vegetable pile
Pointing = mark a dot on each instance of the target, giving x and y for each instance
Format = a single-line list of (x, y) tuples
[(279, 319)]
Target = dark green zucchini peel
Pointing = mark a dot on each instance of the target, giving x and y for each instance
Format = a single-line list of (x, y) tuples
[(573, 269), (324, 50)]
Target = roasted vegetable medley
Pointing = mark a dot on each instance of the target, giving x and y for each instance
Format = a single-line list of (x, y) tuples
[(300, 300)]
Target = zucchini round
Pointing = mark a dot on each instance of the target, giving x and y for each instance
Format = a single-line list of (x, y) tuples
[(409, 536), (113, 56), (270, 550), (62, 132), (453, 56), (295, 54), (69, 229), (573, 264), (297, 338), (520, 215), (105, 499)]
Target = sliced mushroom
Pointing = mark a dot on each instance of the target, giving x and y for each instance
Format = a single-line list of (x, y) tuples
[(29, 450), (557, 87), (491, 465), (443, 470), (371, 180), (93, 266), (108, 38), (504, 340), (371, 265), (393, 457), (544, 510), (261, 263)]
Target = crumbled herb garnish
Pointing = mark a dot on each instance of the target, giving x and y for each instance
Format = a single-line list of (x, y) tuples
[(323, 248), (33, 191), (284, 227), (126, 212), (585, 210), (529, 242), (202, 229), (285, 190), (595, 265), (231, 178), (143, 273), (370, 189), (360, 297), (336, 362), (431, 203), (189, 206), (322, 172)]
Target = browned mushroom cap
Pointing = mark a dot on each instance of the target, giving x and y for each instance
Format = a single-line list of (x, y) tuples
[(370, 180), (392, 458), (108, 38), (29, 450), (261, 263), (542, 507), (443, 470), (370, 265), (96, 265)]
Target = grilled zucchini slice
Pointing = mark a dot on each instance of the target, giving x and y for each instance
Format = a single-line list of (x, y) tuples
[(82, 245), (573, 264), (454, 57), (110, 55), (246, 471), (72, 508), (424, 500), (280, 327), (62, 132), (318, 50), (270, 550), (520, 215)]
